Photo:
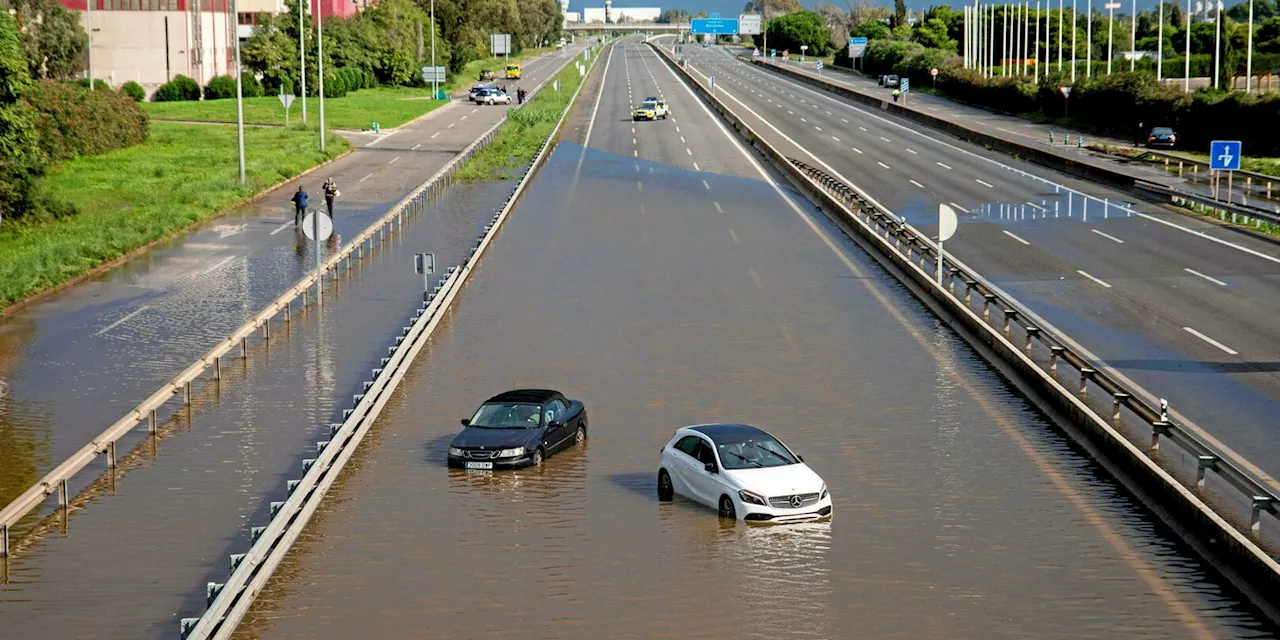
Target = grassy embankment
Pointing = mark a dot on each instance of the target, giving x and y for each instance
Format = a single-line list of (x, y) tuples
[(130, 197), (389, 106), (517, 141)]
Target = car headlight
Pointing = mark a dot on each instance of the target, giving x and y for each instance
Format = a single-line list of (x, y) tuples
[(822, 494), (455, 452), (752, 498), (511, 453)]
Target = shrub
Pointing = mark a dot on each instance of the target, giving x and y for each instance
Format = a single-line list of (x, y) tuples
[(220, 88), (134, 90), (178, 89), (98, 83), (250, 86), (72, 121)]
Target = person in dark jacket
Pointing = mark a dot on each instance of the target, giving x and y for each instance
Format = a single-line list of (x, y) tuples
[(519, 95), (330, 192), (299, 200)]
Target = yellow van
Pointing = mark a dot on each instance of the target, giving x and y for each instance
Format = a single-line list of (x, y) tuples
[(513, 72)]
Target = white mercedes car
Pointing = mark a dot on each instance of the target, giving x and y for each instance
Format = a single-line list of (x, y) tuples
[(743, 473)]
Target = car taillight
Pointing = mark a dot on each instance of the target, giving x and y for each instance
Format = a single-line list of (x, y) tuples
[(1151, 138)]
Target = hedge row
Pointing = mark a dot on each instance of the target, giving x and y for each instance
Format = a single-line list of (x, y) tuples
[(224, 87), (72, 121), (1110, 105), (338, 83)]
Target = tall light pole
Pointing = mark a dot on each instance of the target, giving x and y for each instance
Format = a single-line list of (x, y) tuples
[(1060, 36), (991, 44), (1074, 12), (320, 65), (967, 35), (1217, 47), (239, 95), (435, 87), (1036, 69), (1160, 43), (1133, 37), (1026, 35), (1248, 65), (1186, 81), (1088, 45), (302, 56), (1111, 33)]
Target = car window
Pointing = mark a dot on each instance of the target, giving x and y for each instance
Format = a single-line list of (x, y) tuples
[(688, 444), (555, 411), (507, 415), (704, 453), (755, 453)]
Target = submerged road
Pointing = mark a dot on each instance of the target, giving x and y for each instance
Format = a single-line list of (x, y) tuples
[(79, 360), (1180, 306), (657, 272)]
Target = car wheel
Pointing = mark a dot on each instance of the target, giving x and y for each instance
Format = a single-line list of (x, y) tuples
[(665, 491), (581, 436), (726, 508), (537, 457)]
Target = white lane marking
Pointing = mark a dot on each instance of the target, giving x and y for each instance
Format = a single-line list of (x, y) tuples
[(805, 120), (633, 141), (883, 164), (790, 112), (696, 167), (366, 177), (943, 166), (686, 150), (451, 124), (830, 114), (755, 277), (1108, 236), (474, 110), (1030, 203), (1093, 278), (463, 118), (595, 109), (217, 266), (281, 228), (415, 147), (1211, 341), (639, 186), (677, 129), (985, 184), (682, 141), (122, 320), (704, 183), (916, 183), (1015, 237), (435, 134), (912, 152), (718, 207), (635, 154), (962, 209), (735, 238), (885, 139), (817, 127), (859, 151), (835, 138), (862, 127), (844, 120), (786, 335), (1210, 279), (394, 160)]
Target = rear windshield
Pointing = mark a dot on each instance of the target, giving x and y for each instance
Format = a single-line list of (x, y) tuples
[(1161, 130)]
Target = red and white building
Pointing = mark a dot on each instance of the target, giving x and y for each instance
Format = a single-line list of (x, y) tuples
[(151, 41)]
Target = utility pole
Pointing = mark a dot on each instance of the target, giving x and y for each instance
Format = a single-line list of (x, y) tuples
[(320, 66), (239, 97), (302, 55), (1133, 37)]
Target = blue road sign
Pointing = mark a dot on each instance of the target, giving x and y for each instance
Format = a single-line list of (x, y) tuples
[(857, 41), (773, 53), (906, 85), (714, 26), (714, 15), (819, 65), (1224, 155)]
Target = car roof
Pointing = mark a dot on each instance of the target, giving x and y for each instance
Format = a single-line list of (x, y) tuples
[(729, 432), (533, 396)]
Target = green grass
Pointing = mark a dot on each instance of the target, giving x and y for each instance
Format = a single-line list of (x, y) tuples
[(128, 198), (1269, 166), (390, 106), (518, 140)]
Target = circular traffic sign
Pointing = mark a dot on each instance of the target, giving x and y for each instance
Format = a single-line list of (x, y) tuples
[(309, 225), (933, 71)]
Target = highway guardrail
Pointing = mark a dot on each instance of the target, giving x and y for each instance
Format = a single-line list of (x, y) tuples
[(250, 572), (912, 257), (56, 480)]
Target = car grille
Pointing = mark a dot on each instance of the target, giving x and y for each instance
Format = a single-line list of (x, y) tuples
[(480, 455), (785, 502)]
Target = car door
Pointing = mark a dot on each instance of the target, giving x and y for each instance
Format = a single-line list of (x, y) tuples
[(683, 463), (554, 412), (705, 484)]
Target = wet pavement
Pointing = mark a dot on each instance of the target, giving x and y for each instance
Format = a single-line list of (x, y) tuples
[(139, 545), (75, 363), (1178, 305), (664, 294)]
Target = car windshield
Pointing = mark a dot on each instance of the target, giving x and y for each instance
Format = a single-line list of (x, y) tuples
[(1161, 131), (756, 453), (499, 415)]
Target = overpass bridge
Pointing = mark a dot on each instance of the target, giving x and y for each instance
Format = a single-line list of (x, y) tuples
[(636, 27)]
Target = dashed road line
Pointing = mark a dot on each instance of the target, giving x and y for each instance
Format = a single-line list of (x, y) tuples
[(415, 147), (281, 228), (122, 320), (1209, 278), (1211, 341), (943, 166), (366, 177), (696, 167), (985, 184), (394, 160), (1014, 236), (704, 183), (217, 266), (835, 138), (1093, 278), (733, 235), (686, 150), (856, 150), (912, 152), (885, 139), (1106, 235), (962, 209), (882, 164), (755, 277), (718, 207), (434, 135), (916, 183)]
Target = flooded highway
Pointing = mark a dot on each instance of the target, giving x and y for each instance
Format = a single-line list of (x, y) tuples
[(659, 276)]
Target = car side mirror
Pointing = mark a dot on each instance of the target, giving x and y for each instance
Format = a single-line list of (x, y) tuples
[(555, 424), (800, 457), (710, 467), (466, 422)]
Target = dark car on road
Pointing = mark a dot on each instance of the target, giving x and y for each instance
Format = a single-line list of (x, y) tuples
[(518, 428), (1162, 137)]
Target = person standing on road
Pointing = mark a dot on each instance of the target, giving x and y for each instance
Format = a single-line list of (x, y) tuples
[(330, 192), (519, 95), (299, 200)]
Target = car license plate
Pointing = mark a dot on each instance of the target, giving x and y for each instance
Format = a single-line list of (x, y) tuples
[(479, 465)]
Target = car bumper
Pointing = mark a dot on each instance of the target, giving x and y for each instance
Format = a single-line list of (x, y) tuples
[(643, 116), (1160, 143), (816, 511), (498, 465)]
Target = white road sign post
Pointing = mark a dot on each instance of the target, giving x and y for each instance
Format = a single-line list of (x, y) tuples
[(425, 263), (286, 99), (947, 224), (318, 227), (803, 48)]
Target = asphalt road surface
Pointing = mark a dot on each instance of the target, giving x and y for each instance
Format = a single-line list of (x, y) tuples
[(658, 273), (1180, 306), (78, 361)]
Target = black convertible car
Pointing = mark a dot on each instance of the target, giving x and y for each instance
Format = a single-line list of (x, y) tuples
[(518, 429)]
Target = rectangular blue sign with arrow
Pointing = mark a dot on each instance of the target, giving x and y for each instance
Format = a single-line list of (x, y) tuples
[(1224, 155), (714, 26)]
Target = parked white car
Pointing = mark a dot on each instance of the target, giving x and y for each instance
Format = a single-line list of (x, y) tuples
[(496, 96), (742, 472)]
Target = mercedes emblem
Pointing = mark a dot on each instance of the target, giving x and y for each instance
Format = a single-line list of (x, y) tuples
[(796, 501)]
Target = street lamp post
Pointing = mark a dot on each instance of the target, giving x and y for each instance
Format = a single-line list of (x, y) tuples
[(1160, 42), (1111, 33), (1186, 80), (1060, 36), (1074, 12), (302, 56), (239, 96), (1088, 45), (320, 67), (1248, 65), (435, 87), (1133, 37), (89, 29), (1217, 47)]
